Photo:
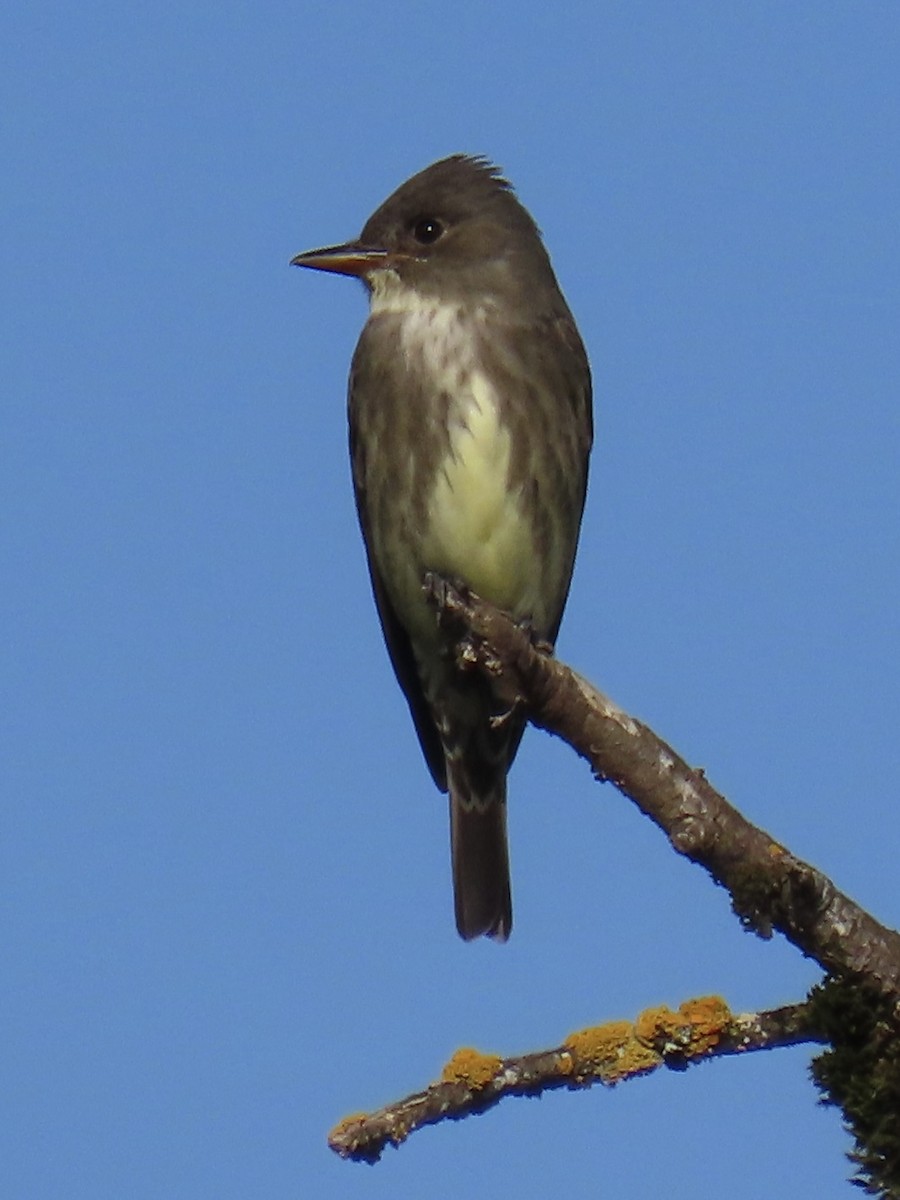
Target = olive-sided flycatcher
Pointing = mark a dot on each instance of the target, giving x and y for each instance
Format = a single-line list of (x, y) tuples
[(470, 429)]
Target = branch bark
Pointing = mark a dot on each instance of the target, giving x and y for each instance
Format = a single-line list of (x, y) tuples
[(472, 1082), (770, 888)]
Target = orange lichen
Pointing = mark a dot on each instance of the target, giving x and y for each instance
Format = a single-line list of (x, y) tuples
[(351, 1119), (565, 1062), (710, 1017), (471, 1067), (347, 1128), (695, 1029), (657, 1024), (599, 1043), (609, 1051)]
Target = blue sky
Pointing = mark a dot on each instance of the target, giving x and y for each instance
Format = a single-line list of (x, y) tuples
[(227, 916)]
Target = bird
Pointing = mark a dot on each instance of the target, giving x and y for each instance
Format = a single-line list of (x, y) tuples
[(470, 423)]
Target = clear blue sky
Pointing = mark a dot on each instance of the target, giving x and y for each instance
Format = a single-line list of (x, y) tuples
[(226, 903)]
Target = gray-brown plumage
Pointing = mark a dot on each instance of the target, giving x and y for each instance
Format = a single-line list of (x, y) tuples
[(470, 429)]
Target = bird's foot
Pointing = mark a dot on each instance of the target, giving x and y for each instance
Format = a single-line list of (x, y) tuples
[(537, 639), (449, 596), (452, 598), (502, 720)]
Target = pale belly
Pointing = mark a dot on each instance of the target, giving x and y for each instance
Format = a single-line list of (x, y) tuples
[(477, 529)]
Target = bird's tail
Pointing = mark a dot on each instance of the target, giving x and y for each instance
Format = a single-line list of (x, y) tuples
[(478, 845)]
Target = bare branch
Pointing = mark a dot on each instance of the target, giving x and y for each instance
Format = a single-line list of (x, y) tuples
[(769, 887), (472, 1082)]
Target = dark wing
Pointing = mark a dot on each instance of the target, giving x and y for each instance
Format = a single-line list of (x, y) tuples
[(542, 378), (404, 665), (395, 636), (578, 393)]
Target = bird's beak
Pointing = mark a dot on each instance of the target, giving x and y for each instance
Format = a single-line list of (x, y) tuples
[(349, 259)]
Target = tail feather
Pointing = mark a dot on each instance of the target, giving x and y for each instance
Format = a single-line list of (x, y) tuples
[(479, 851)]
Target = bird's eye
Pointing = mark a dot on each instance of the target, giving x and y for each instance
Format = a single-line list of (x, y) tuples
[(427, 230)]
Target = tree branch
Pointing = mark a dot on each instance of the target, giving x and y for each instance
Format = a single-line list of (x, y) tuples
[(770, 888), (472, 1082)]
